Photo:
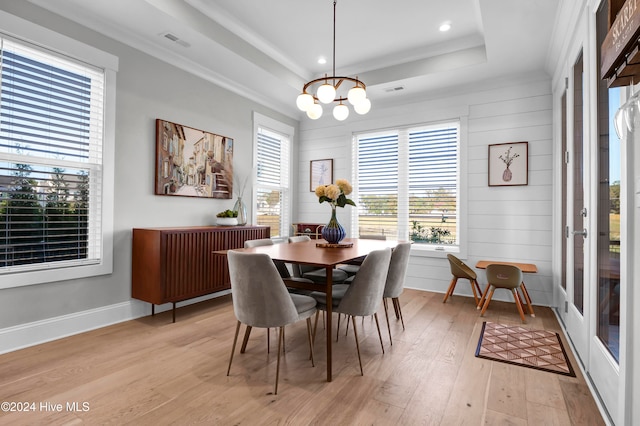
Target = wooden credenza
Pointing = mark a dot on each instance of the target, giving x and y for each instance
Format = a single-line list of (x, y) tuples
[(312, 230), (170, 265)]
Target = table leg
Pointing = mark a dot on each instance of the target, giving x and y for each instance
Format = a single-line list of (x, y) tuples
[(329, 301)]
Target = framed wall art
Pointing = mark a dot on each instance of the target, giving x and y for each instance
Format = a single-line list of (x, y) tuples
[(192, 162), (509, 164), (321, 173)]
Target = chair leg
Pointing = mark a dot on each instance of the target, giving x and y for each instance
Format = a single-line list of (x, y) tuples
[(233, 348), (396, 303), (355, 335), (518, 304), (315, 327), (310, 343), (477, 286), (280, 341), (473, 289), (346, 331), (395, 310), (338, 326), (245, 340), (284, 346), (484, 295), (528, 299), (452, 286), (486, 302), (379, 334), (386, 314)]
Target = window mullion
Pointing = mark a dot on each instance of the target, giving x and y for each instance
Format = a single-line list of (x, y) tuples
[(403, 184)]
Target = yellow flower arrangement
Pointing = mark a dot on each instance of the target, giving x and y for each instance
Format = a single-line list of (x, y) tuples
[(335, 194)]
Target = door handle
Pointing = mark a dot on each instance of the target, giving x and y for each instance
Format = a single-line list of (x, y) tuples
[(583, 233)]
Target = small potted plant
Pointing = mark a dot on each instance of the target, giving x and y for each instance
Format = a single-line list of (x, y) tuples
[(227, 218)]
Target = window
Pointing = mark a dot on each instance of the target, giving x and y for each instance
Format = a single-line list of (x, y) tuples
[(53, 211), (407, 185), (272, 168)]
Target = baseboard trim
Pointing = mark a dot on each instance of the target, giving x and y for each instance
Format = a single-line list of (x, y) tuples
[(38, 332)]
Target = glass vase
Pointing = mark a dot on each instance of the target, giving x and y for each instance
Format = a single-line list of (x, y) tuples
[(333, 232), (242, 211)]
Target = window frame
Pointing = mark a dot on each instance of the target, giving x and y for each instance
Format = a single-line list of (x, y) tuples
[(262, 121), (25, 31), (424, 250)]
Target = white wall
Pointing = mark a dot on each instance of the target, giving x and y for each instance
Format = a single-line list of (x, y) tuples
[(504, 223), (146, 89)]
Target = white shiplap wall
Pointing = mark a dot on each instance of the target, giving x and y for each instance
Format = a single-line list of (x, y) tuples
[(504, 223)]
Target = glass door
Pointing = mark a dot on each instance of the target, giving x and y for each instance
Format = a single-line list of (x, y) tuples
[(593, 206), (604, 362), (576, 212)]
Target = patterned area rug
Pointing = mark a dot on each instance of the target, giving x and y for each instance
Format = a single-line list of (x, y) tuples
[(539, 349)]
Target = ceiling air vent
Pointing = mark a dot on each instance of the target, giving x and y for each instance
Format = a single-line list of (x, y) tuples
[(174, 38), (394, 89)]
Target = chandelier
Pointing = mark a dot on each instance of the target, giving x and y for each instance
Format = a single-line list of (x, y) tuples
[(328, 90)]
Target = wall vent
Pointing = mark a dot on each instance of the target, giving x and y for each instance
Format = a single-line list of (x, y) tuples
[(394, 89), (174, 38)]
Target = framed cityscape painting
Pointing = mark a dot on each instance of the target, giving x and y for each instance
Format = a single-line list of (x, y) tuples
[(192, 162)]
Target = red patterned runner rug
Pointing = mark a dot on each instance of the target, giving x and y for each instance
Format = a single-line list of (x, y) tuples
[(539, 349)]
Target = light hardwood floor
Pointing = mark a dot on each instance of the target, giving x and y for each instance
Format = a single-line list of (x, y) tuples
[(153, 372)]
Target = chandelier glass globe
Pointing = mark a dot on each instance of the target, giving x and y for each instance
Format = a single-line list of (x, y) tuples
[(315, 111), (304, 101), (340, 112), (326, 93), (356, 95), (363, 107)]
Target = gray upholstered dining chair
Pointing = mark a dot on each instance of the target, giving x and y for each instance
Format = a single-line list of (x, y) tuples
[(395, 281), (317, 275), (260, 299), (363, 296), (459, 269), (352, 267), (280, 265), (284, 273), (502, 276)]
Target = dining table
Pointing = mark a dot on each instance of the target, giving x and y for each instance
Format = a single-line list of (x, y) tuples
[(526, 268), (322, 255)]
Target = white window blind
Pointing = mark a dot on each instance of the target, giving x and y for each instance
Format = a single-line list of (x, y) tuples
[(51, 141), (377, 184), (272, 181), (407, 184)]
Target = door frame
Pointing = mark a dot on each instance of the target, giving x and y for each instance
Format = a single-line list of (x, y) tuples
[(610, 382), (576, 323)]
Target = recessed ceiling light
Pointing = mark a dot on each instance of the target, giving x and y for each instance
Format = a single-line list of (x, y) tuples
[(445, 26), (322, 60)]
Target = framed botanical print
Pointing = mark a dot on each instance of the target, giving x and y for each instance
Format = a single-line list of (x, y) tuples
[(509, 164), (321, 173)]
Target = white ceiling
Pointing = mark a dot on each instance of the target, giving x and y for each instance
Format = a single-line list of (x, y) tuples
[(266, 50)]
